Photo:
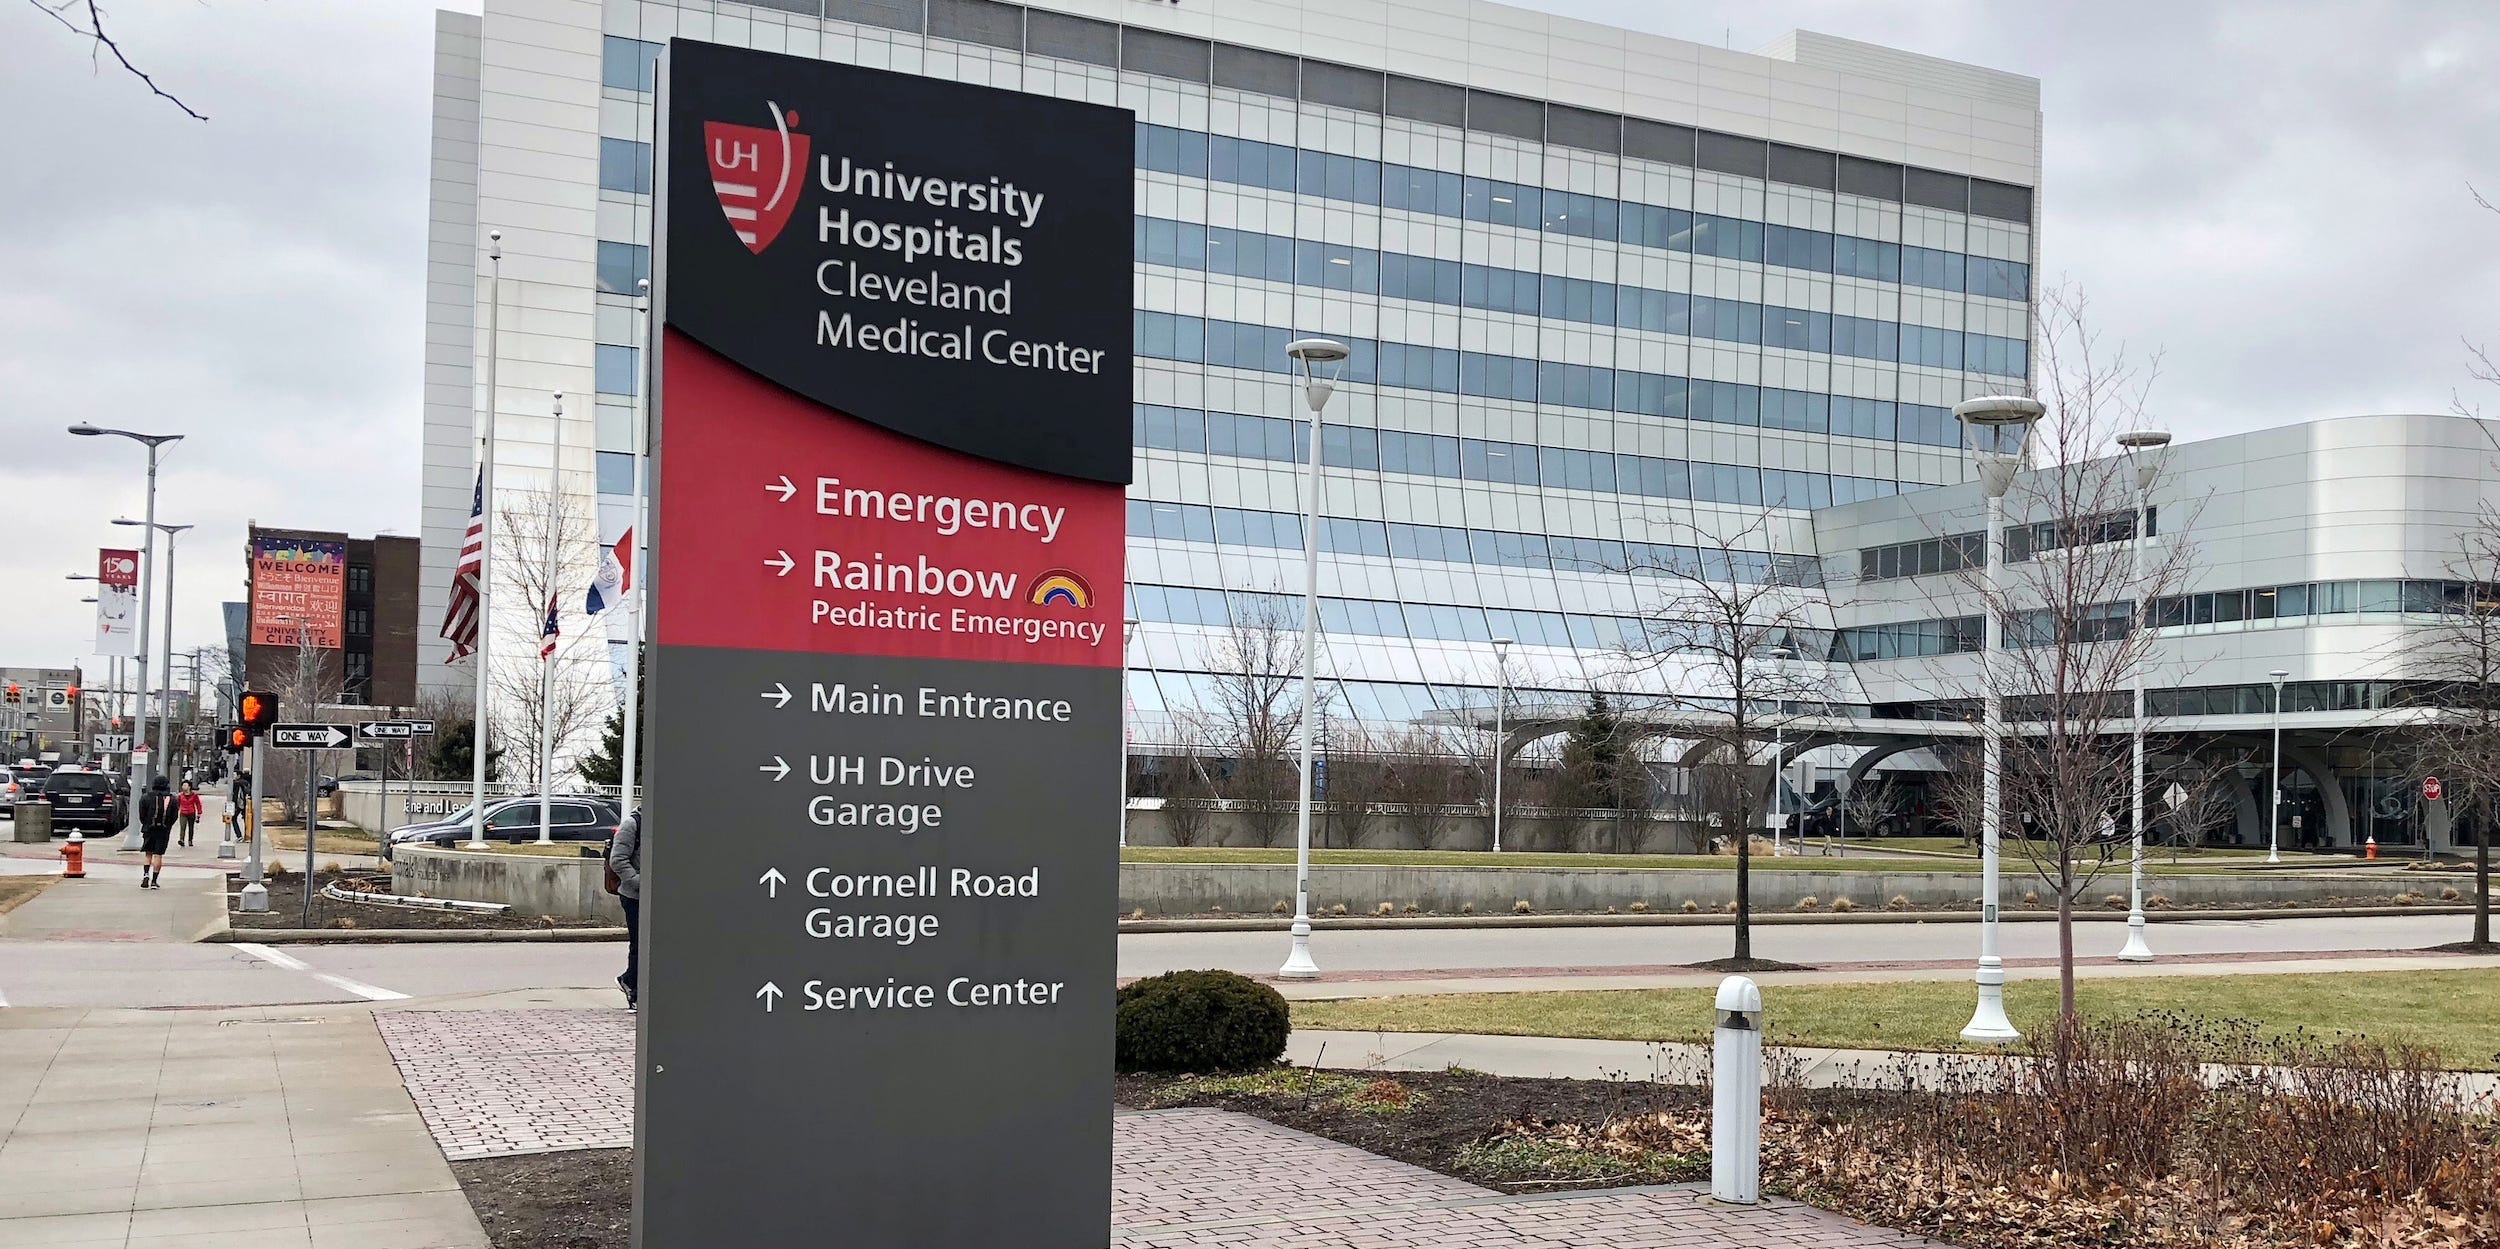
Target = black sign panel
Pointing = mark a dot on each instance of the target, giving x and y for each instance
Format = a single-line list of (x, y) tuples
[(879, 876), (920, 254)]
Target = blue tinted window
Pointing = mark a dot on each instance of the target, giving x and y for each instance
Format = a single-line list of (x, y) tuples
[(1166, 150), (1576, 385), (1169, 429), (1866, 258), (1502, 203), (1587, 216), (1164, 336), (625, 165), (1353, 537), (1935, 348), (628, 64), (1331, 176), (2004, 357), (1250, 163), (2001, 279), (1796, 329), (1420, 190), (1726, 238), (1861, 418), (1796, 248), (616, 369), (1336, 268), (1797, 410), (1425, 455), (1659, 479), (1652, 226), (1497, 377), (1935, 270), (616, 472), (1502, 290), (1418, 368), (1725, 403), (1865, 339), (1728, 320), (1180, 244), (1661, 312), (1577, 299), (1420, 278), (1649, 394), (1576, 470), (623, 267), (1345, 446), (1510, 462)]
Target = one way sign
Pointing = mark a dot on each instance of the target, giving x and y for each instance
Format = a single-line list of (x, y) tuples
[(377, 730), (308, 736)]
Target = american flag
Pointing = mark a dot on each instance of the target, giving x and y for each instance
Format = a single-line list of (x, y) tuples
[(460, 620), (547, 636)]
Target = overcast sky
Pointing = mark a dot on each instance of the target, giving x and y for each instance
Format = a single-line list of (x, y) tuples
[(2272, 195)]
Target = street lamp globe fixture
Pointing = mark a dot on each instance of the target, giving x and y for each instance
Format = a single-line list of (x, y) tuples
[(1501, 732), (1318, 362), (140, 760), (1779, 749), (1991, 423), (2274, 788), (2146, 450)]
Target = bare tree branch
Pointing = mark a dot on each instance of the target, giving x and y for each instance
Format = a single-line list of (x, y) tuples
[(103, 42)]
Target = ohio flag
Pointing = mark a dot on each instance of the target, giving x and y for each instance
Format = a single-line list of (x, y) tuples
[(616, 576)]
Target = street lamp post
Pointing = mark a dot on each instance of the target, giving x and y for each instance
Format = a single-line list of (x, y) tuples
[(164, 713), (481, 654), (1988, 420), (1779, 747), (2145, 450), (1320, 362), (1501, 731), (2274, 790), (133, 837)]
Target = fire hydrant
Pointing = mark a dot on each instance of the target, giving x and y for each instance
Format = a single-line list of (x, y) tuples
[(74, 856), (2369, 850)]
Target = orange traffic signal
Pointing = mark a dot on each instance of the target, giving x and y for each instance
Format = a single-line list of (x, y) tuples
[(256, 711), (16, 694), (238, 738)]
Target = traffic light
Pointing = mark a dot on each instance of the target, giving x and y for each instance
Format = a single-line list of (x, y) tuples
[(72, 694), (256, 712), (16, 695), (238, 738)]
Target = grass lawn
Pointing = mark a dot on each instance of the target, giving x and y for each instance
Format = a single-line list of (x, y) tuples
[(2155, 855), (342, 840), (2457, 1012), (1479, 858), (15, 891)]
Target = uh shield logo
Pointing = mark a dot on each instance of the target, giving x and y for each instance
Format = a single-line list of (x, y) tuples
[(757, 174)]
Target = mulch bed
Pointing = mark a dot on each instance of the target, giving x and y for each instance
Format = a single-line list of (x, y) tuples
[(581, 1199), (286, 908)]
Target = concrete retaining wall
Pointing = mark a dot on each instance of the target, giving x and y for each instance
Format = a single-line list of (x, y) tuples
[(1172, 889), (1394, 829), (530, 884)]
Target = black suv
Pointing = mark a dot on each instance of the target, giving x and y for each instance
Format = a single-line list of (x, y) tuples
[(87, 800)]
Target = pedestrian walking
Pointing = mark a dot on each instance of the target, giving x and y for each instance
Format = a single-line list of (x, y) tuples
[(157, 813), (625, 881), (189, 808), (239, 815)]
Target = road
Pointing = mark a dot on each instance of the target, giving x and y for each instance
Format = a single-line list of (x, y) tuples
[(82, 973)]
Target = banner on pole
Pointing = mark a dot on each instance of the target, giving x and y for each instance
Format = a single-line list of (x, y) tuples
[(298, 588), (117, 603)]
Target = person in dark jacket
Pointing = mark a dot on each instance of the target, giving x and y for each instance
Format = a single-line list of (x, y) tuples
[(625, 859), (157, 813)]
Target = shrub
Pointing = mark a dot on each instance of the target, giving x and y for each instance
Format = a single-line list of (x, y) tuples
[(1843, 905), (1139, 913), (1200, 1021), (1900, 902), (1809, 902), (2115, 902), (2449, 894), (1282, 907), (2158, 902), (1521, 907), (1691, 907), (1730, 908), (1640, 908), (1387, 908), (1466, 908), (1338, 909), (1413, 909), (2031, 897)]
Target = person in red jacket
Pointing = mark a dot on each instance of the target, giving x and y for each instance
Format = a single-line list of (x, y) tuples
[(189, 807)]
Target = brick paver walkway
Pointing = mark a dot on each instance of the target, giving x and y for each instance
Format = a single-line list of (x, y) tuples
[(495, 1083)]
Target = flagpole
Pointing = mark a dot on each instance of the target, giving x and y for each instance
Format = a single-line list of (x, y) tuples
[(636, 568), (546, 644), (485, 547)]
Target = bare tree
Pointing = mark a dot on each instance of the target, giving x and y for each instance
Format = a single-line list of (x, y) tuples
[(2064, 609), (2459, 656), (1430, 787), (1727, 607), (309, 680), (85, 19), (1188, 792), (570, 692), (1255, 682), (1870, 804), (1359, 768), (2208, 800)]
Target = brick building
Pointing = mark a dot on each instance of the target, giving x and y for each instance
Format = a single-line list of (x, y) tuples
[(356, 597)]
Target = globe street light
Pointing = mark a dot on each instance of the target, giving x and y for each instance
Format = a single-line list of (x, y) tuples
[(1779, 744), (164, 714), (1319, 362), (2146, 449), (1992, 422), (1501, 731), (2274, 794), (133, 837)]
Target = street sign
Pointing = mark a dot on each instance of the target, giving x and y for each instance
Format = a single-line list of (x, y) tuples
[(112, 743), (309, 736), (2176, 796), (883, 1011), (420, 728), (379, 730), (2430, 789), (56, 698)]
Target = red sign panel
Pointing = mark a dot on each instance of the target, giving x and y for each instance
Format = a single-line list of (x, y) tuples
[(2430, 788), (298, 588), (877, 544)]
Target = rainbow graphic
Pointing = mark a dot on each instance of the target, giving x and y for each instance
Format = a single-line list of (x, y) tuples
[(1062, 588)]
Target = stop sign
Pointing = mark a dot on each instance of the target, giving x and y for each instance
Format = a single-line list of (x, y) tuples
[(2430, 789)]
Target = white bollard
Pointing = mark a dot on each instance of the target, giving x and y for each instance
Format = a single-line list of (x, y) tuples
[(1736, 1082)]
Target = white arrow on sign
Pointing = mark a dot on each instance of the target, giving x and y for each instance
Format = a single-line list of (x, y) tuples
[(779, 694), (772, 880), (308, 736), (784, 489), (376, 730), (769, 994), (783, 564), (777, 767), (421, 728), (112, 743)]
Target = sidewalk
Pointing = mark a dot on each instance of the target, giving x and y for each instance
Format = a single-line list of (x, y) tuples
[(109, 905), (284, 1128)]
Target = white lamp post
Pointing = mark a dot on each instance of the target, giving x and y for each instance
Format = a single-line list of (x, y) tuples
[(1319, 361), (1989, 419), (1779, 747), (547, 657), (1501, 731), (140, 762), (485, 545), (2274, 791), (165, 711), (2145, 450)]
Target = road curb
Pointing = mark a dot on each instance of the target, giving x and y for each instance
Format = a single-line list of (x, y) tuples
[(1776, 918), (405, 936)]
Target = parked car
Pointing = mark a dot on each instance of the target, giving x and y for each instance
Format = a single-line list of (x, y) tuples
[(83, 799), (572, 817), (26, 782)]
